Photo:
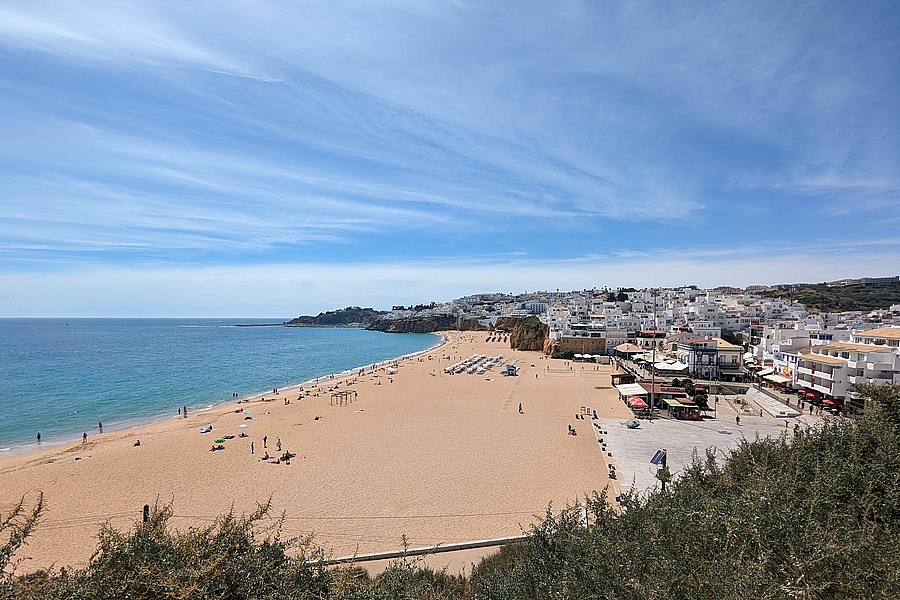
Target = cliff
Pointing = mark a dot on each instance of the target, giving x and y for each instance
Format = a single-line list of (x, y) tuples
[(424, 324), (525, 333), (414, 325)]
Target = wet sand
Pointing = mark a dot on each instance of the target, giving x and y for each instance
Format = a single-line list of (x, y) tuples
[(438, 458)]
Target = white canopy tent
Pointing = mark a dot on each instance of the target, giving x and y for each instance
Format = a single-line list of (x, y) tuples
[(670, 366), (631, 389)]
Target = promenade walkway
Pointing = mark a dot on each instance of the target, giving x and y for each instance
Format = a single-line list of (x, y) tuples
[(632, 449)]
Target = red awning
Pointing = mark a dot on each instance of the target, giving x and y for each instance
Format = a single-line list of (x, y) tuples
[(831, 402), (635, 402)]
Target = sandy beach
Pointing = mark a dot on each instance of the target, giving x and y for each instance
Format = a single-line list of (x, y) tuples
[(438, 458)]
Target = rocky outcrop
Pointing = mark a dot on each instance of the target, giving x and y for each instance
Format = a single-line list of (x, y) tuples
[(525, 333), (352, 316), (551, 347), (414, 325), (472, 325)]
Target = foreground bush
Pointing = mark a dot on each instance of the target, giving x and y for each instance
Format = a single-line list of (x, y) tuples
[(814, 517)]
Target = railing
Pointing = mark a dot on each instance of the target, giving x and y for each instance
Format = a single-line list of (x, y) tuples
[(824, 375), (455, 547)]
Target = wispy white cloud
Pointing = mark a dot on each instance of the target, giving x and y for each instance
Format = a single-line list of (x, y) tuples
[(122, 34), (272, 133), (285, 290)]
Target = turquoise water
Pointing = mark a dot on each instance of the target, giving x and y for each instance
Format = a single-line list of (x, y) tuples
[(62, 377)]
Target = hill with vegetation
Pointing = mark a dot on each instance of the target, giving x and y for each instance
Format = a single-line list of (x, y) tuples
[(813, 517), (823, 298), (352, 316)]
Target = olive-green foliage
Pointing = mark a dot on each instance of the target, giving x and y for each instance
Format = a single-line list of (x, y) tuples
[(701, 400), (822, 298), (814, 517), (15, 527), (234, 558)]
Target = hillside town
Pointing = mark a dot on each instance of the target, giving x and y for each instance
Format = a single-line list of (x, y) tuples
[(721, 334)]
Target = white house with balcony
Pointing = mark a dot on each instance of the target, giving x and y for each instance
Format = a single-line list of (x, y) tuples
[(710, 358), (819, 372), (833, 369)]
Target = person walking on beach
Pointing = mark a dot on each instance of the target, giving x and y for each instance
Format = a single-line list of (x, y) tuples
[(184, 411), (521, 412), (39, 437), (737, 419), (84, 438), (100, 426), (265, 441), (278, 444), (252, 449)]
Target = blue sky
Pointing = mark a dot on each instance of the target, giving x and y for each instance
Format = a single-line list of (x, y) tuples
[(274, 159)]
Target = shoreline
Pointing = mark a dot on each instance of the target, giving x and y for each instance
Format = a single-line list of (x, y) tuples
[(23, 449), (412, 452)]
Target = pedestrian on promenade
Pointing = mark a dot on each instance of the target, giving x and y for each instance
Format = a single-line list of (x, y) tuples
[(737, 419)]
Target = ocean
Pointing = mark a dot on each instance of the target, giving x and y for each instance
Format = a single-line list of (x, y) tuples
[(62, 377)]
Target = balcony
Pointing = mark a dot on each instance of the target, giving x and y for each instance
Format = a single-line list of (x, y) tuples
[(879, 366), (824, 375), (825, 389), (859, 380), (805, 370)]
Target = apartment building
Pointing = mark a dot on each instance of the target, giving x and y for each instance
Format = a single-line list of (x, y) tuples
[(873, 357)]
